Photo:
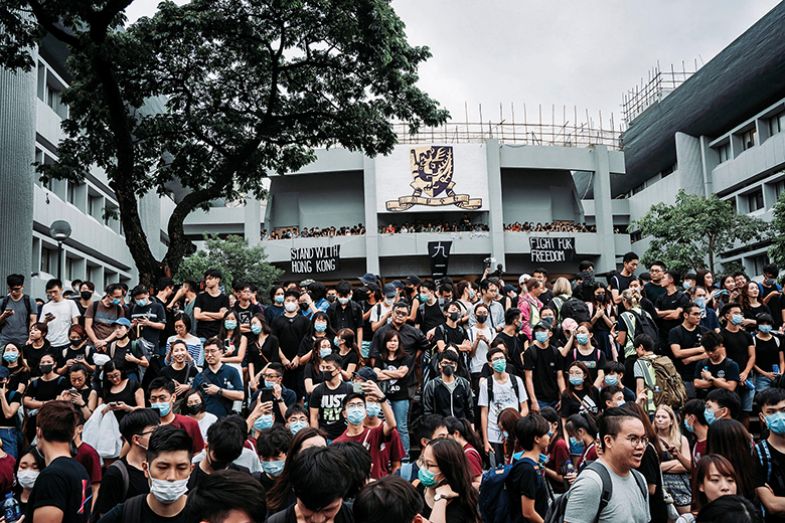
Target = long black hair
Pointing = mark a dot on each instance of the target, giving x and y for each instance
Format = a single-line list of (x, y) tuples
[(453, 465)]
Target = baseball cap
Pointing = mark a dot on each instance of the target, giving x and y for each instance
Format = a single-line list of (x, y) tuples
[(389, 290), (125, 322), (523, 278), (542, 326), (413, 280), (569, 324), (367, 374), (398, 284), (368, 278)]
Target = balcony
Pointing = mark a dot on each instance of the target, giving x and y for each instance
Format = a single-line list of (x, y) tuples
[(278, 251)]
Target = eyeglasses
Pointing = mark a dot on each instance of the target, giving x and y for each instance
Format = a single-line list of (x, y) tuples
[(212, 351), (271, 376), (401, 313), (636, 441)]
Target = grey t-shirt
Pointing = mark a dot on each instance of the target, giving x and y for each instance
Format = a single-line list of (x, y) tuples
[(627, 502), (15, 327)]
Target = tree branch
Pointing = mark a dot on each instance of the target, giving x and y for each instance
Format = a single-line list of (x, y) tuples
[(49, 23)]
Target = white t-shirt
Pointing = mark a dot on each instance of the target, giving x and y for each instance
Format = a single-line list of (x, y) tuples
[(64, 311), (205, 423), (481, 354), (379, 310), (247, 459), (628, 503), (503, 398)]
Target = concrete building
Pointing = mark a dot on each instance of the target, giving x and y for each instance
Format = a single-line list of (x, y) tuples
[(514, 181), (720, 132), (96, 249)]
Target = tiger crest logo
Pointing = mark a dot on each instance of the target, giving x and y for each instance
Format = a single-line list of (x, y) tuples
[(432, 170)]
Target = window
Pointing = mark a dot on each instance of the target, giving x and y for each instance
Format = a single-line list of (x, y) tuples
[(755, 200), (779, 188), (94, 206), (71, 267), (758, 262), (71, 192), (41, 81), (635, 236), (49, 260), (724, 152), (748, 139), (777, 123)]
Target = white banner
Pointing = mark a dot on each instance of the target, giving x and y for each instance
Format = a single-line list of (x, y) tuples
[(432, 178)]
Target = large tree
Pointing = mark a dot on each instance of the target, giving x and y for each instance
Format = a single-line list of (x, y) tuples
[(777, 249), (250, 87), (695, 230)]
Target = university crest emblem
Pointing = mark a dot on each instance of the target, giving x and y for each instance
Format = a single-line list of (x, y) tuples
[(432, 170)]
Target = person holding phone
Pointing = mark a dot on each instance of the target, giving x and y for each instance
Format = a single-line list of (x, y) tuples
[(273, 389), (79, 351), (10, 401), (220, 382)]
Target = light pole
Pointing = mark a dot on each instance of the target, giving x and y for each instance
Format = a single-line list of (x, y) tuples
[(60, 230)]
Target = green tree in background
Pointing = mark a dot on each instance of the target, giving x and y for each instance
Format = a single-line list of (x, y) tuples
[(246, 88), (237, 261), (695, 229), (777, 249)]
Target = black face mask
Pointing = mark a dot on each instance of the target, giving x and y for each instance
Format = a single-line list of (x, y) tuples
[(600, 298), (76, 343), (193, 409), (330, 298), (455, 316), (448, 370), (304, 306), (86, 295), (327, 375), (482, 319), (46, 369)]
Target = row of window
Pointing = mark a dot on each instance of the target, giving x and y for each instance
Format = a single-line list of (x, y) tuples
[(747, 138)]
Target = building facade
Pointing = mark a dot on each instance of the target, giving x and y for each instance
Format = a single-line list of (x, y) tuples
[(96, 249)]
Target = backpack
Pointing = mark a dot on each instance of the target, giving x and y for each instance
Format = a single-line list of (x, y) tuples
[(558, 508), (575, 309), (28, 306), (671, 387), (513, 378), (638, 324), (132, 508), (494, 500), (763, 454)]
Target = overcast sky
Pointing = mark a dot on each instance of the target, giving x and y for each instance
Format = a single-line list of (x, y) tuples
[(582, 53)]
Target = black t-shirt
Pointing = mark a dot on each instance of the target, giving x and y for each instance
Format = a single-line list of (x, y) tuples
[(329, 403), (594, 361), (456, 511), (767, 352), (774, 304), (33, 357), (737, 346), (11, 396), (84, 353), (525, 479), (620, 282), (18, 375), (751, 312), (650, 468), (127, 395), (578, 401), (42, 390), (686, 339), (344, 515), (290, 332), (117, 353), (397, 389), (147, 515), (64, 484), (450, 335), (726, 369), (515, 349), (544, 364), (112, 488), (349, 358), (244, 315), (777, 478), (349, 317), (261, 356), (653, 291), (205, 302), (670, 302), (183, 376), (429, 316)]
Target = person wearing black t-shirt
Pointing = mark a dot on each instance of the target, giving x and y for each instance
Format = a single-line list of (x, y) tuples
[(244, 308), (42, 390), (427, 313), (621, 280), (769, 359), (685, 343), (62, 490), (210, 306), (739, 347), (450, 333), (654, 289), (345, 313), (526, 480), (10, 400), (290, 328), (326, 401), (513, 340), (542, 364), (669, 308), (717, 371), (769, 454)]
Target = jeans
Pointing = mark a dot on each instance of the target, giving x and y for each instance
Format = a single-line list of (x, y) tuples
[(761, 383), (10, 438), (401, 410)]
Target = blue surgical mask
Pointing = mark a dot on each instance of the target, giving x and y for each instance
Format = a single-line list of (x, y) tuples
[(256, 329), (273, 468), (576, 380), (516, 456), (116, 301), (499, 365), (611, 380), (337, 341), (765, 329), (686, 285), (688, 427), (320, 326), (163, 408), (141, 303), (323, 353), (355, 415), (265, 421), (541, 336), (427, 478), (736, 319), (709, 415), (700, 302), (582, 338), (297, 426), (576, 446), (776, 423), (230, 325), (365, 351), (373, 409), (278, 299), (423, 298), (269, 384), (11, 356), (505, 434)]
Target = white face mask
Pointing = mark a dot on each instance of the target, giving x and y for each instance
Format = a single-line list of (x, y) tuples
[(290, 307), (26, 478), (168, 491)]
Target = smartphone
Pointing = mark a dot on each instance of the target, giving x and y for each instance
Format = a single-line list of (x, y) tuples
[(73, 391), (205, 385), (266, 394), (80, 357), (357, 386)]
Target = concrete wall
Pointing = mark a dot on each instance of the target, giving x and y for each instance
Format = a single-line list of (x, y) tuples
[(538, 196)]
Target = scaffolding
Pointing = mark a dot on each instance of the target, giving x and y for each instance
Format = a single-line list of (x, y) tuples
[(533, 130), (659, 85)]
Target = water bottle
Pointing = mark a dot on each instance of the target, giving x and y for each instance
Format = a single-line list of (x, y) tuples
[(750, 385), (11, 508), (569, 467), (775, 369)]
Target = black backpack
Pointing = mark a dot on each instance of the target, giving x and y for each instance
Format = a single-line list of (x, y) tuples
[(644, 324), (558, 508), (575, 309)]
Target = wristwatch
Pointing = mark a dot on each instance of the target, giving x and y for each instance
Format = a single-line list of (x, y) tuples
[(439, 497)]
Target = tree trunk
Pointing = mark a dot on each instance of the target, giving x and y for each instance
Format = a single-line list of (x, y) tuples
[(711, 254)]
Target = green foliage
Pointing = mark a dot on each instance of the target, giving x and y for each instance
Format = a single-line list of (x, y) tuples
[(777, 249), (694, 230), (237, 262), (243, 88)]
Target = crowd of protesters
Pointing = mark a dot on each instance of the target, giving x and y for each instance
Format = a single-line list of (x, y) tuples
[(287, 233), (652, 397), (557, 226)]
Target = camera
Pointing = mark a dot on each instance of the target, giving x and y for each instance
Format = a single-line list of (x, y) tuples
[(489, 262)]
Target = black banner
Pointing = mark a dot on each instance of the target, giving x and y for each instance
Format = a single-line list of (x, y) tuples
[(315, 260), (439, 254), (552, 249)]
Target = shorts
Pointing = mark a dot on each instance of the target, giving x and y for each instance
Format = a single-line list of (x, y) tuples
[(746, 396)]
